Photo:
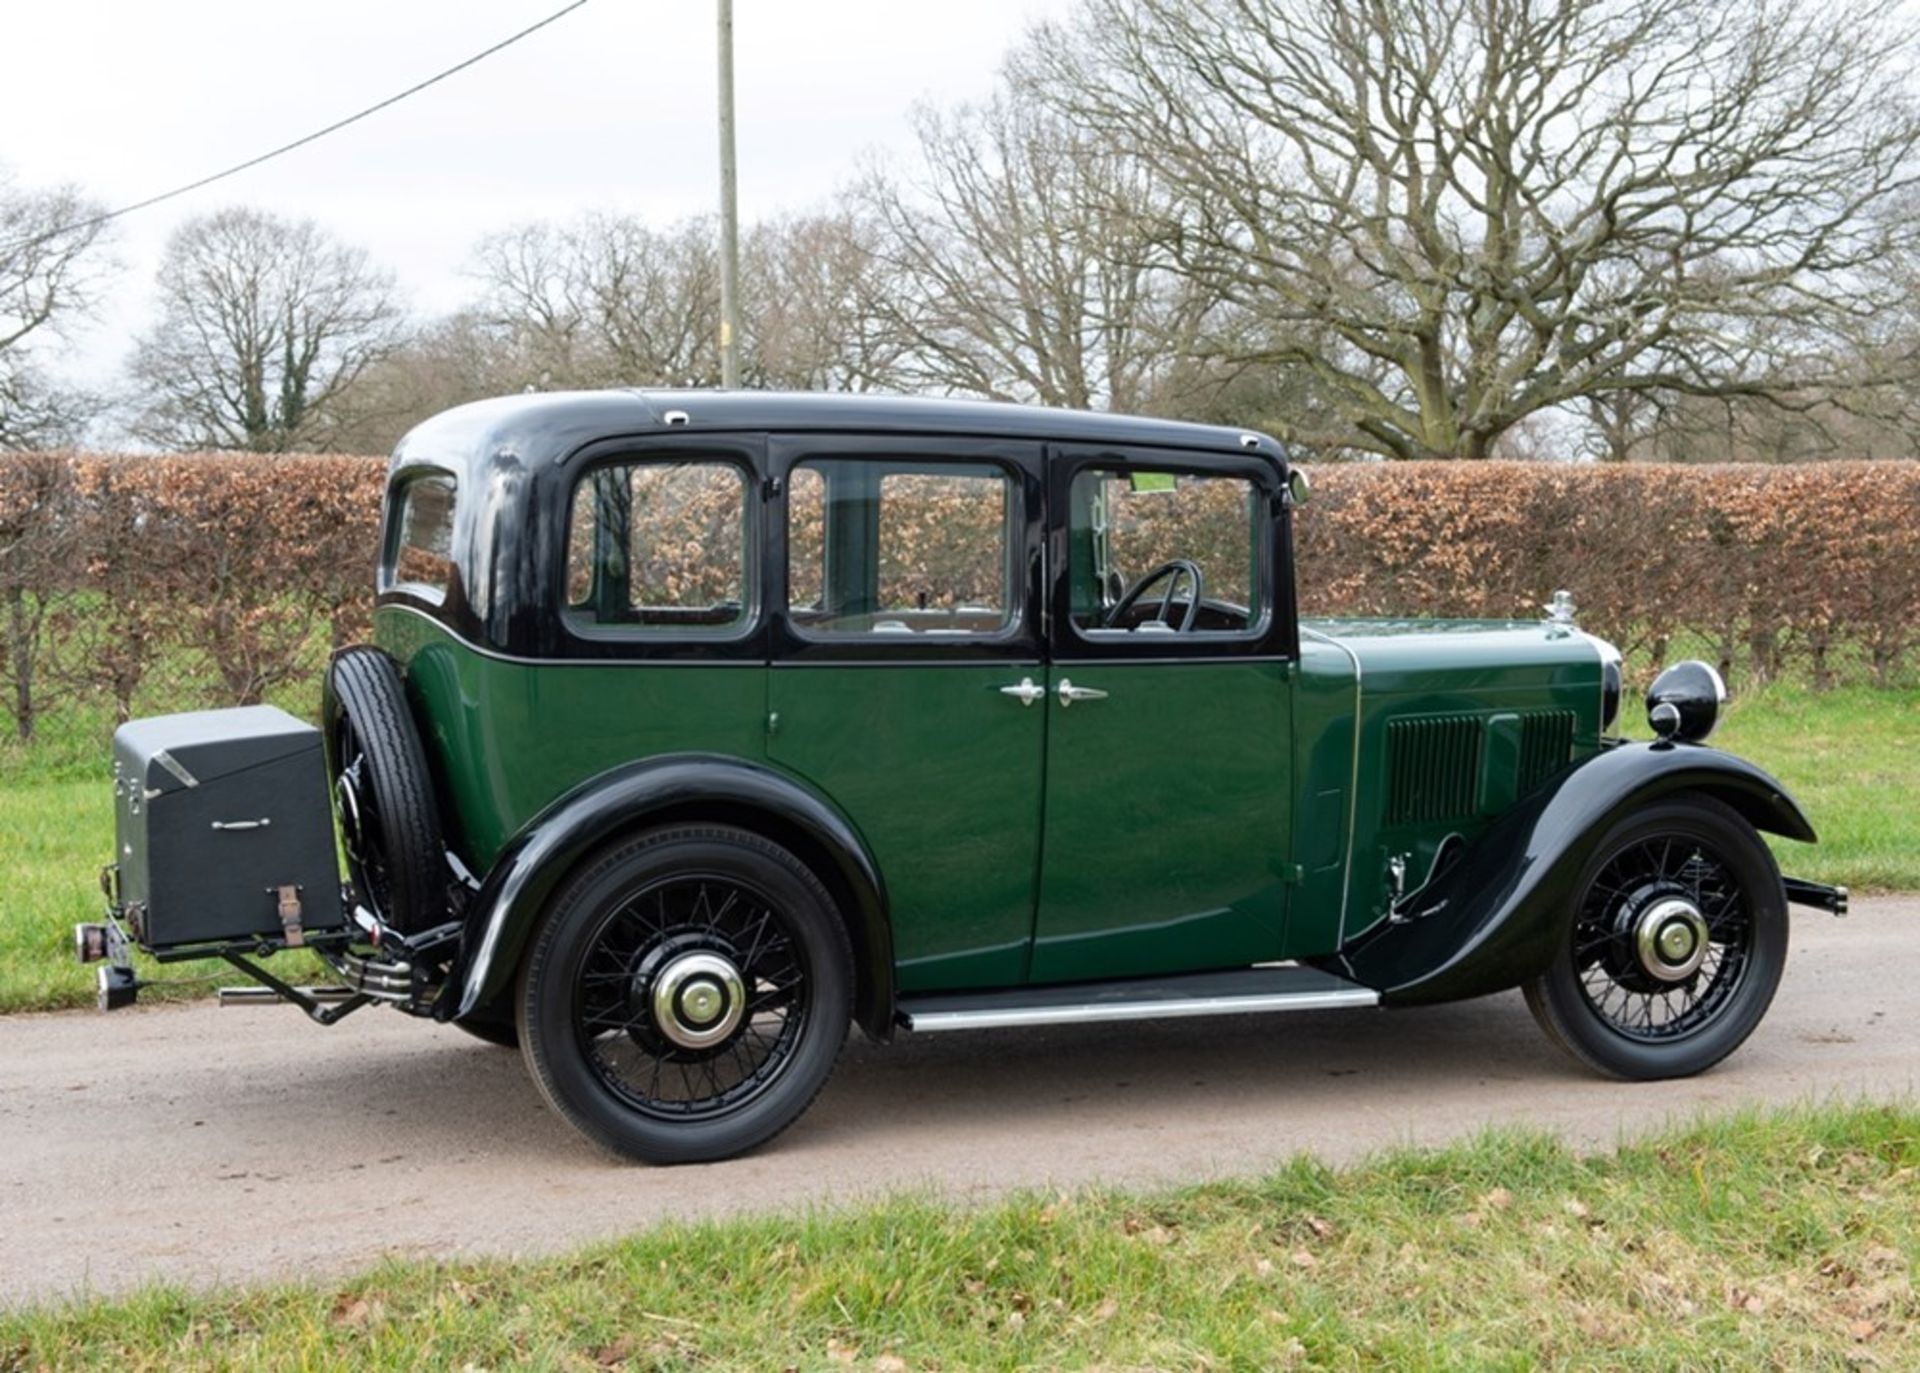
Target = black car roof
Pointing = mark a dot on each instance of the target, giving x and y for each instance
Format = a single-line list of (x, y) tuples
[(542, 428)]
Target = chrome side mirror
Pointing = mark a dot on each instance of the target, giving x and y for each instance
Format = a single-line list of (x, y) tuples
[(1299, 486)]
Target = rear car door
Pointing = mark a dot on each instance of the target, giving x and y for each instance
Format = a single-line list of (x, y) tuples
[(1167, 816), (906, 679)]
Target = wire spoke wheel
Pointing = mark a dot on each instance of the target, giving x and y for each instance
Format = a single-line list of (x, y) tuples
[(1675, 943), (383, 793), (1663, 939), (690, 996), (686, 994), (359, 815)]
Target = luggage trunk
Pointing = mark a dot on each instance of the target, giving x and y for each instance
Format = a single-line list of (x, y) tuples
[(224, 831)]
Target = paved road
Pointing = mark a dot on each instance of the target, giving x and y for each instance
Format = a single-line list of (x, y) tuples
[(201, 1145)]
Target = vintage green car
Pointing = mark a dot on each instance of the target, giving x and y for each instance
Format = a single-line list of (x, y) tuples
[(697, 725)]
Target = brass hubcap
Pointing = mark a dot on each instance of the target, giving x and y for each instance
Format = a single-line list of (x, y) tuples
[(698, 999), (1670, 939)]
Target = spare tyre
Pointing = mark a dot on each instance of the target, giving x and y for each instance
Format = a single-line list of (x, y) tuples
[(382, 792)]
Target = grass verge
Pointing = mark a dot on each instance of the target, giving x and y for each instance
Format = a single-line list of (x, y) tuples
[(53, 838), (1783, 1240), (1851, 757), (1846, 754)]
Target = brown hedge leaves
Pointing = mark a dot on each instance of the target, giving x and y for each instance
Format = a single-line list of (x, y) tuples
[(111, 564), (225, 564), (1769, 566)]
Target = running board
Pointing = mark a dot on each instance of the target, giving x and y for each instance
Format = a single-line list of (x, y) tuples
[(1242, 991)]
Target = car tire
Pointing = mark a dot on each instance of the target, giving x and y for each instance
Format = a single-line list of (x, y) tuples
[(686, 994), (383, 793), (1621, 1002)]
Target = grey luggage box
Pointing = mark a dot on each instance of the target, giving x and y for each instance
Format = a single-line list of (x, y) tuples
[(224, 831)]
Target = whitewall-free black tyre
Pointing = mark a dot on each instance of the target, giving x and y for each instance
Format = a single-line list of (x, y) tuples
[(686, 994), (1674, 947), (383, 792)]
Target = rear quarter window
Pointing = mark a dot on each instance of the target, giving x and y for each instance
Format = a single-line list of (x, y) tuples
[(660, 548), (420, 538)]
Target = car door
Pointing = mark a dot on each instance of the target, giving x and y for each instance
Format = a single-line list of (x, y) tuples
[(1166, 834), (906, 680)]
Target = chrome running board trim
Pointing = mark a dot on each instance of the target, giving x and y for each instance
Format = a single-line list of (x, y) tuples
[(1002, 1018), (1236, 991)]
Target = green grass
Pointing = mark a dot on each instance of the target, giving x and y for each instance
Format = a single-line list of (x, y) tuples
[(57, 834), (54, 836), (1785, 1240), (1849, 755)]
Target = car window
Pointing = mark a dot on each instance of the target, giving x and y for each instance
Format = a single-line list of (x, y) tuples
[(659, 547), (1140, 540), (422, 539), (897, 548)]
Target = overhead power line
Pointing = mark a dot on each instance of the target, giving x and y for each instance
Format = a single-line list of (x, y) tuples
[(302, 142)]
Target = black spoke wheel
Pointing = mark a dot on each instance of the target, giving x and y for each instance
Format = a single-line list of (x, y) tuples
[(383, 794), (1675, 945), (686, 995)]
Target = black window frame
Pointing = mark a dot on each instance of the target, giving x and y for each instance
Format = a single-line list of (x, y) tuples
[(388, 583), (562, 635), (1020, 641), (1276, 638)]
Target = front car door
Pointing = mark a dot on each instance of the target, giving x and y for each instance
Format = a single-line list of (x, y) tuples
[(908, 572), (1167, 816)]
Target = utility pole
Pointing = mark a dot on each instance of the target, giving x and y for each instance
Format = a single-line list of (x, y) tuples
[(729, 213)]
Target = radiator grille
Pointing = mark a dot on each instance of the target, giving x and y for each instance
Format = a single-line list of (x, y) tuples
[(1546, 742), (1433, 767)]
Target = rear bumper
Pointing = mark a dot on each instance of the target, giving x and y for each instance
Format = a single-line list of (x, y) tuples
[(1818, 895)]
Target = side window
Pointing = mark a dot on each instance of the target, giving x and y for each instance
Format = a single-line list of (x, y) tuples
[(660, 547), (1165, 553), (899, 548), (420, 548)]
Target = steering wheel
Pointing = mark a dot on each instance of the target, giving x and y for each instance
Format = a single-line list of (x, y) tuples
[(1172, 573)]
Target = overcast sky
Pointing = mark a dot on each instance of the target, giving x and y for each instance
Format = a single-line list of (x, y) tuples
[(612, 107)]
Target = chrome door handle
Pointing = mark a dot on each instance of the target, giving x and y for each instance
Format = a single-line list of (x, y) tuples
[(1026, 693), (1069, 693)]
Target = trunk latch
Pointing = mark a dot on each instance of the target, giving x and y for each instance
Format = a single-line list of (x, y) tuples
[(290, 916)]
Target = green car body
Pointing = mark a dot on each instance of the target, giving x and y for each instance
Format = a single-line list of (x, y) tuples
[(697, 725), (1253, 831), (1225, 804)]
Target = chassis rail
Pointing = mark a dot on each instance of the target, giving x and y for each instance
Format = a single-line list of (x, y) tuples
[(1818, 895), (404, 971)]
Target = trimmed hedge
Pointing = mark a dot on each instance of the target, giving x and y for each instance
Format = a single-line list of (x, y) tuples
[(229, 570), (1760, 566), (215, 571)]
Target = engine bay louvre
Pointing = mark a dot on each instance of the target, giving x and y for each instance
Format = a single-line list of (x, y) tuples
[(1439, 767), (1433, 768)]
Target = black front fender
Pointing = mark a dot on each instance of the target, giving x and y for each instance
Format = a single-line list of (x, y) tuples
[(1492, 919), (679, 787)]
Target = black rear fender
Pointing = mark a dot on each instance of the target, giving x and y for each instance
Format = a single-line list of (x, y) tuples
[(1491, 919), (674, 789)]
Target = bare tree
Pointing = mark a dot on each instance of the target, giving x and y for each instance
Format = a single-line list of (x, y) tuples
[(50, 273), (1483, 209), (816, 306), (446, 362), (1021, 262), (608, 300), (605, 301), (266, 325)]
